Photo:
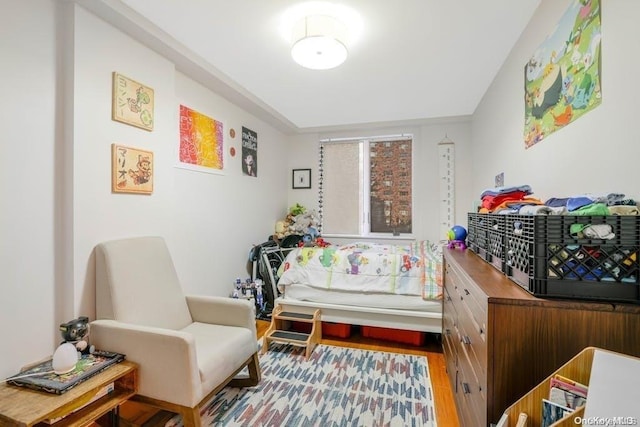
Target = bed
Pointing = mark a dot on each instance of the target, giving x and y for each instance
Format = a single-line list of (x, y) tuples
[(364, 283)]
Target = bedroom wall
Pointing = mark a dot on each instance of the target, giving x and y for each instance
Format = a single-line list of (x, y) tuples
[(303, 154), (599, 152), (30, 267), (210, 221), (56, 186)]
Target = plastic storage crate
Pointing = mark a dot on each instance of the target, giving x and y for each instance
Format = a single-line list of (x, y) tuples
[(488, 237), (548, 257), (415, 338), (329, 329), (472, 227)]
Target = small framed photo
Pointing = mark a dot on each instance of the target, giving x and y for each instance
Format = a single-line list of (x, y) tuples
[(131, 170), (301, 178)]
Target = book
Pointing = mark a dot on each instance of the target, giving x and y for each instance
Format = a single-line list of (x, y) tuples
[(566, 398), (552, 412), (575, 388), (108, 388), (88, 365), (570, 381)]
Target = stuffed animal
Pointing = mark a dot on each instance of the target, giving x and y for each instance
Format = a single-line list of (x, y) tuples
[(281, 229), (76, 332)]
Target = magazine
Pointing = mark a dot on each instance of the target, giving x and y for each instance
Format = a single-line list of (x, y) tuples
[(552, 412), (88, 365)]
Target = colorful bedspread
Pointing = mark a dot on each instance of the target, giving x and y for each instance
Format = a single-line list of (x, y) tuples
[(414, 269)]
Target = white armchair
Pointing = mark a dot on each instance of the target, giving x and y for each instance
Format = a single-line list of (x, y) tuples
[(188, 347)]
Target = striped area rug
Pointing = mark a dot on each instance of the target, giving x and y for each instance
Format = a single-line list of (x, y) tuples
[(336, 387)]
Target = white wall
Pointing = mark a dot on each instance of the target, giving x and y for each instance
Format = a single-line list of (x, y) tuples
[(303, 154), (29, 182), (210, 221), (599, 152), (56, 178)]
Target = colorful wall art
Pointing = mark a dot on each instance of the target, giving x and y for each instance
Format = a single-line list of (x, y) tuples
[(562, 78), (132, 102), (131, 170), (201, 141)]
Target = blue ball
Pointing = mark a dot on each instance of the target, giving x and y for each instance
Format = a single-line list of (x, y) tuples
[(457, 232)]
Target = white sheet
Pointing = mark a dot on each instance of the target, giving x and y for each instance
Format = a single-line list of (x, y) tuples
[(398, 302)]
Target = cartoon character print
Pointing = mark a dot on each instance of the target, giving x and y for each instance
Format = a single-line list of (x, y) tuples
[(409, 261), (328, 257), (143, 174), (305, 255), (356, 260)]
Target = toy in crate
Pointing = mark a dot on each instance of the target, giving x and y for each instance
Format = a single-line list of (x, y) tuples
[(457, 236), (580, 257)]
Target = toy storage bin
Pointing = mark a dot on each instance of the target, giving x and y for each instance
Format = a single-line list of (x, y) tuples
[(472, 228), (489, 238), (415, 338), (546, 256), (329, 329)]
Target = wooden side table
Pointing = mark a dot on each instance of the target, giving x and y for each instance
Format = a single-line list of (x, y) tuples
[(25, 407)]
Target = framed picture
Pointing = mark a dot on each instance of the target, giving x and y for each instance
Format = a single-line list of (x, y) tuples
[(132, 102), (301, 178), (131, 170)]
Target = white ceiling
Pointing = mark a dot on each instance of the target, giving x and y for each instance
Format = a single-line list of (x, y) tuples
[(414, 59)]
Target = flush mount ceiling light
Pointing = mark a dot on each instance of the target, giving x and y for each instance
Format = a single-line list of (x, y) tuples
[(319, 42)]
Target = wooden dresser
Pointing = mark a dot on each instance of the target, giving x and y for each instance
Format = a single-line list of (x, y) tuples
[(500, 341)]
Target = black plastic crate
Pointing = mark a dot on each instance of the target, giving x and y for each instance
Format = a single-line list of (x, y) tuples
[(472, 229), (546, 256), (489, 238)]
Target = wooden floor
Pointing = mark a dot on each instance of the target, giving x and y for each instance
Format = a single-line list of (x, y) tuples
[(445, 407)]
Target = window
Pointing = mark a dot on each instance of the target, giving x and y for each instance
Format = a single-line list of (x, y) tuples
[(366, 186)]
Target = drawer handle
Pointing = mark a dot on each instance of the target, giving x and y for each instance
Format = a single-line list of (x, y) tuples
[(466, 291), (465, 388), (466, 339)]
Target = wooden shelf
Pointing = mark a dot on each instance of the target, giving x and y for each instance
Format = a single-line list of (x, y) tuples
[(578, 369), (25, 407)]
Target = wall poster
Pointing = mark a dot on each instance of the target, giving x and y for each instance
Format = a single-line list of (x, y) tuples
[(201, 141), (249, 152), (562, 78)]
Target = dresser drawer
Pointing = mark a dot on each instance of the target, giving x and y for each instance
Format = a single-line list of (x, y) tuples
[(473, 343), (471, 401), (473, 348), (475, 306)]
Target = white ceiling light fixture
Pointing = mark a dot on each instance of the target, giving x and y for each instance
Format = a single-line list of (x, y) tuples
[(319, 42)]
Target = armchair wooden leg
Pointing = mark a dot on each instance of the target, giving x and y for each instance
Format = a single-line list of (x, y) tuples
[(255, 374), (191, 417)]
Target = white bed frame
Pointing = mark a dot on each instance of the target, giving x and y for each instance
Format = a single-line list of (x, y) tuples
[(368, 316), (411, 320)]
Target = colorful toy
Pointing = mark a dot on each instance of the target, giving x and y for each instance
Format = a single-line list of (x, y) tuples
[(457, 236)]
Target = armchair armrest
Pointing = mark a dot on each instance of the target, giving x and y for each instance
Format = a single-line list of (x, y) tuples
[(167, 360), (222, 311)]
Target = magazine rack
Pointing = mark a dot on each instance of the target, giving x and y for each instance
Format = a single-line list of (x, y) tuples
[(579, 368)]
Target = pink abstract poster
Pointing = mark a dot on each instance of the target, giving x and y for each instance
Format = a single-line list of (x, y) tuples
[(201, 140)]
